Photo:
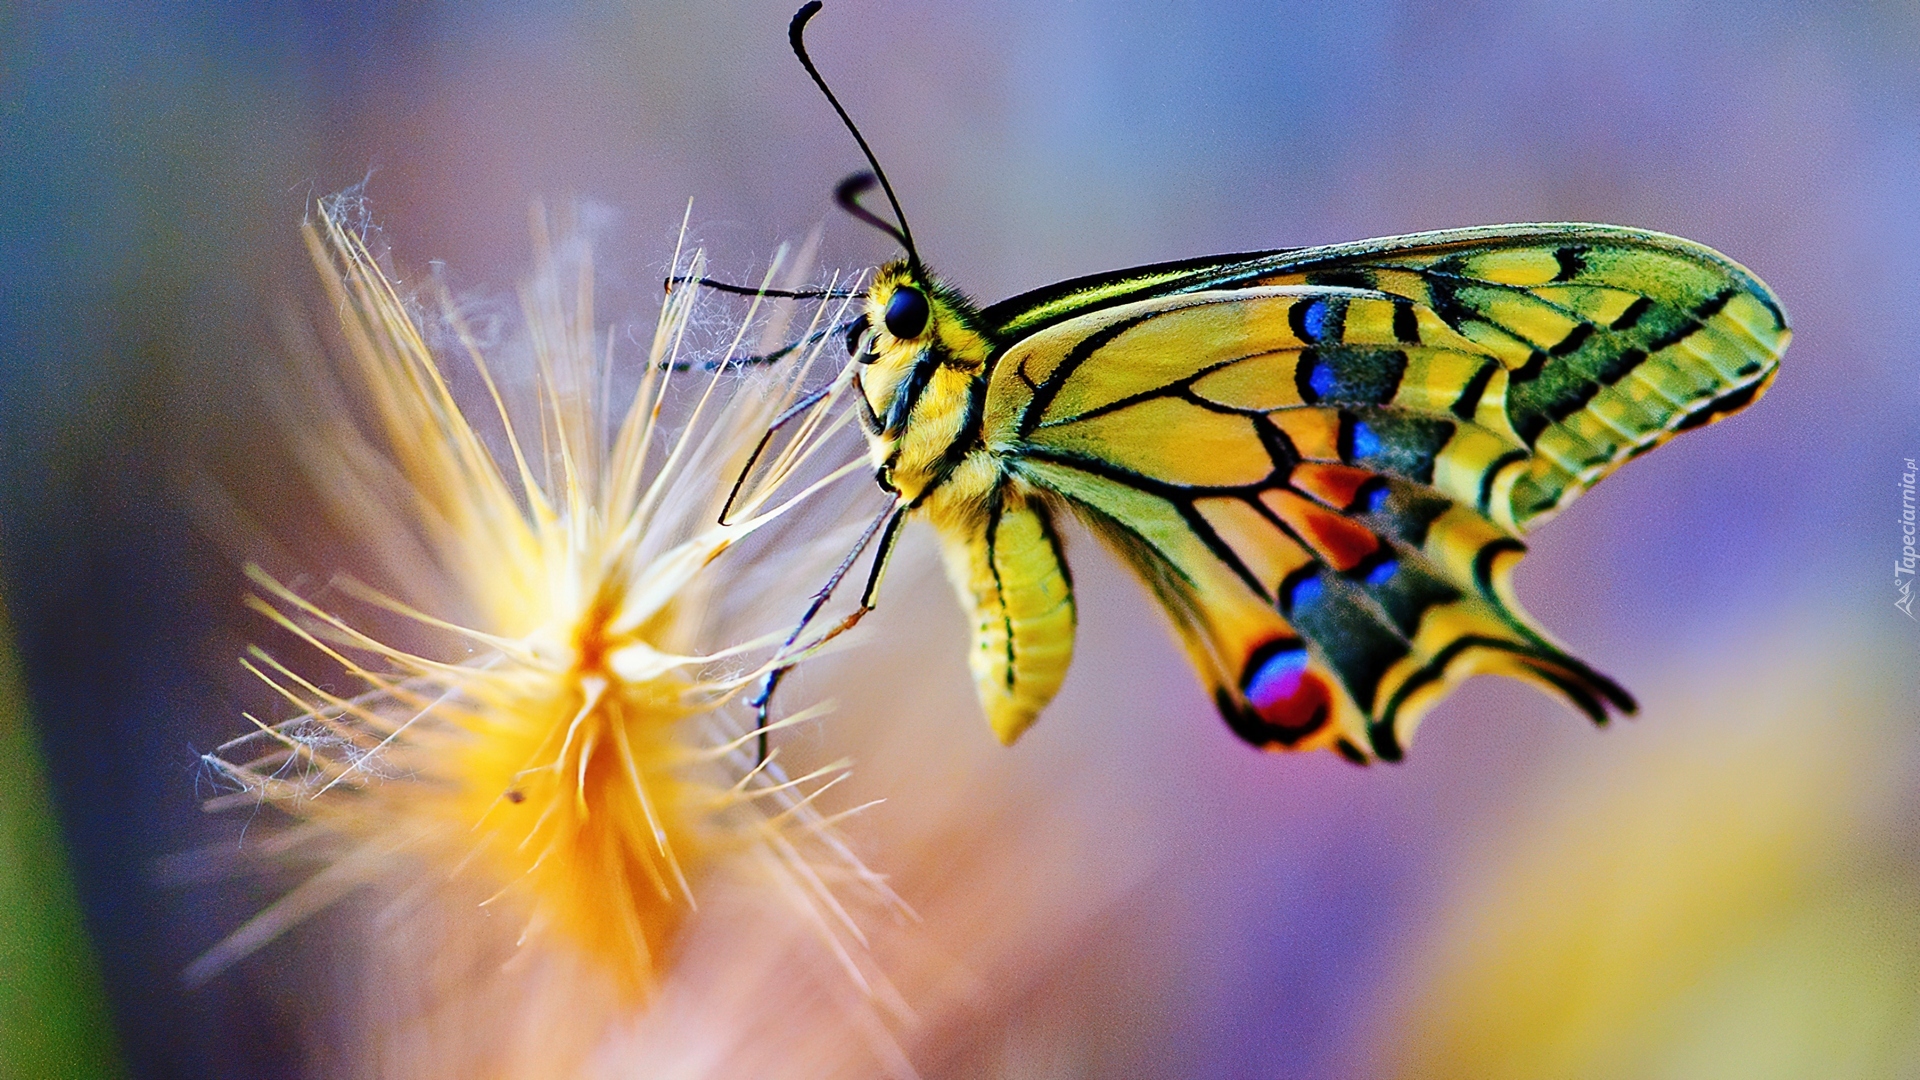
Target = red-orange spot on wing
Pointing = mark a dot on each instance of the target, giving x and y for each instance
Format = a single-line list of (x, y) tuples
[(1334, 485), (1340, 543), (1288, 697)]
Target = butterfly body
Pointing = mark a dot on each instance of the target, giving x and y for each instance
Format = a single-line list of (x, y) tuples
[(1319, 461)]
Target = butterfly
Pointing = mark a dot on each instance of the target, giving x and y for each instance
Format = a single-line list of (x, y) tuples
[(1320, 461)]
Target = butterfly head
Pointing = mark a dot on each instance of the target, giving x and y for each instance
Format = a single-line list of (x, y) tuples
[(918, 342), (916, 336)]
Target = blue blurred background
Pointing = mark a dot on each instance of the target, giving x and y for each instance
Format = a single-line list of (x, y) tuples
[(1298, 917)]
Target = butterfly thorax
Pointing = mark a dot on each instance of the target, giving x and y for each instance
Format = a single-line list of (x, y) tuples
[(922, 373)]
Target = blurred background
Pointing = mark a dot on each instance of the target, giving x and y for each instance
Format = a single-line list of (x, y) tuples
[(1728, 884)]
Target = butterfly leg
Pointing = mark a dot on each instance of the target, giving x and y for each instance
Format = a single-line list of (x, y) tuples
[(796, 409), (887, 527)]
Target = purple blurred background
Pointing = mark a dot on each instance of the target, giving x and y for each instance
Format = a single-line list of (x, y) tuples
[(155, 160)]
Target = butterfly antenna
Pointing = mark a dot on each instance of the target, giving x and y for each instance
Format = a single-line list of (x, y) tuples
[(848, 193)]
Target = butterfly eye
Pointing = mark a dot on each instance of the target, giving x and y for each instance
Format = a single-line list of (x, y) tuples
[(907, 312)]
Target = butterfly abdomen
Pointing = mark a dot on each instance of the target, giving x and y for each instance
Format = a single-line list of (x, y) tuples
[(1011, 576)]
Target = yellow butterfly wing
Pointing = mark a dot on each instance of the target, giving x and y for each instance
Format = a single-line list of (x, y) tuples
[(1320, 461)]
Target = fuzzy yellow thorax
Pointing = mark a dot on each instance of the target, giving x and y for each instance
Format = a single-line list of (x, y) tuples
[(919, 388)]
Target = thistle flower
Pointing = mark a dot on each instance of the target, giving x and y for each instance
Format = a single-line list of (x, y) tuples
[(532, 723)]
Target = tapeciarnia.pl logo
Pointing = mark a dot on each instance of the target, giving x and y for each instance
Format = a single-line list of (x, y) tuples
[(1903, 567)]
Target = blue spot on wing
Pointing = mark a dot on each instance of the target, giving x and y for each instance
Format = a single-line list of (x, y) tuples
[(1314, 320), (1277, 679), (1321, 379), (1304, 593), (1365, 442), (1287, 700), (1383, 572), (1403, 445)]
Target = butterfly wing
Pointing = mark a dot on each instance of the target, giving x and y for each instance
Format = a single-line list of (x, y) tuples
[(1320, 461)]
